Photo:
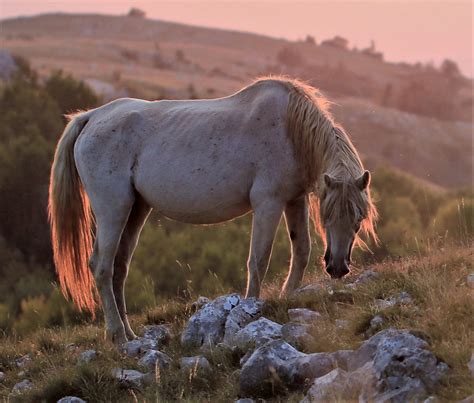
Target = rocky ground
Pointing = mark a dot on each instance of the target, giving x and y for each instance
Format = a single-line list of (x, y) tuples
[(385, 335)]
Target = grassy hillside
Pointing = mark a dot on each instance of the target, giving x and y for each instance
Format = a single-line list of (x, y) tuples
[(441, 312), (125, 56)]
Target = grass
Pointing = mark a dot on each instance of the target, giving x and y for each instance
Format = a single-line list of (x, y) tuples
[(442, 312)]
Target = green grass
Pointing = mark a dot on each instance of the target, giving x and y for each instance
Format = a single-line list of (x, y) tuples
[(442, 313)]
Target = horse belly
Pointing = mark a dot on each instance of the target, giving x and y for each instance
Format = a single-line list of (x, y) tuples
[(186, 191)]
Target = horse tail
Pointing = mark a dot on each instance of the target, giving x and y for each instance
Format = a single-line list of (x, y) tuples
[(71, 220)]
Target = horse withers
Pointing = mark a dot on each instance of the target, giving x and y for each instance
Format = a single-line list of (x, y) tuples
[(272, 148)]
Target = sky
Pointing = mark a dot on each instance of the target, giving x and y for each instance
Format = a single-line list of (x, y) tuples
[(404, 30)]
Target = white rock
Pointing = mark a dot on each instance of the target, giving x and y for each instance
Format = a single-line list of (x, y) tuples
[(310, 289), (87, 356), (71, 399), (470, 280), (195, 366), (257, 333), (206, 327), (131, 378), (342, 323), (159, 334), (22, 387), (247, 311), (153, 359), (303, 315), (137, 347), (376, 322), (23, 361), (401, 299), (2, 376), (297, 334), (470, 365)]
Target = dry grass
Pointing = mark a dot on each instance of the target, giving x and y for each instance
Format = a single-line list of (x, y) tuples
[(442, 313)]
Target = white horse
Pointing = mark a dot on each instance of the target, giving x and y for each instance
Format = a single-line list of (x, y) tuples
[(271, 148)]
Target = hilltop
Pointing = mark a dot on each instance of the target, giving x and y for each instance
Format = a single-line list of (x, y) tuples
[(406, 116)]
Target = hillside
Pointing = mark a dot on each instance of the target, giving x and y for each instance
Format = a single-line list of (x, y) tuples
[(126, 56), (427, 298)]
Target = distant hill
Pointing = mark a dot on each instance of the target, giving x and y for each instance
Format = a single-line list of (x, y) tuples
[(393, 111)]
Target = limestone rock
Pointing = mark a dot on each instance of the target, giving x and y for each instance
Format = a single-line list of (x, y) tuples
[(401, 299), (131, 378), (87, 356), (470, 364), (197, 365), (137, 347), (71, 399), (153, 360), (257, 333), (22, 387), (206, 327), (2, 376), (247, 311), (470, 280), (303, 316), (297, 334), (160, 334)]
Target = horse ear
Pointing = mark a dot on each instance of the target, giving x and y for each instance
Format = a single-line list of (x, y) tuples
[(363, 181), (329, 181)]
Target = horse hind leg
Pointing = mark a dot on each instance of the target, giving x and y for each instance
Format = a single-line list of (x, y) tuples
[(111, 212), (128, 243)]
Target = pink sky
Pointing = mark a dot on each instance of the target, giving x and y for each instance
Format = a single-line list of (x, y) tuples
[(403, 30)]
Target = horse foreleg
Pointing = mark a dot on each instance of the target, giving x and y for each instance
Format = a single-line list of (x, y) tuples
[(128, 243), (297, 224), (266, 217)]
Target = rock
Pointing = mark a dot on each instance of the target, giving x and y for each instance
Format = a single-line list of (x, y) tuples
[(195, 366), (2, 376), (401, 299), (376, 323), (366, 276), (247, 311), (469, 399), (431, 399), (311, 366), (130, 378), (245, 401), (87, 356), (22, 387), (303, 315), (206, 327), (257, 333), (71, 399), (470, 364), (309, 289), (367, 351), (153, 359), (23, 361), (470, 280), (160, 334), (268, 370), (406, 373), (137, 347), (7, 65), (199, 303), (297, 334)]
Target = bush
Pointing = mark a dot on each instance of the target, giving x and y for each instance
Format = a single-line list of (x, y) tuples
[(455, 219)]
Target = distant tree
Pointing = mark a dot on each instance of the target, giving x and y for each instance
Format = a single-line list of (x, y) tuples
[(136, 13), (450, 68), (310, 39), (290, 56), (69, 93)]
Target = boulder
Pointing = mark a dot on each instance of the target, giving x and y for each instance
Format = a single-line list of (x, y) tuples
[(207, 326), (87, 356), (71, 399), (130, 378), (160, 334), (21, 387), (268, 370), (297, 334), (257, 333), (137, 347), (303, 316), (154, 360), (247, 311), (195, 366), (470, 364)]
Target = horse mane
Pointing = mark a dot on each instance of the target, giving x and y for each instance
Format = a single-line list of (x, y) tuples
[(322, 146)]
